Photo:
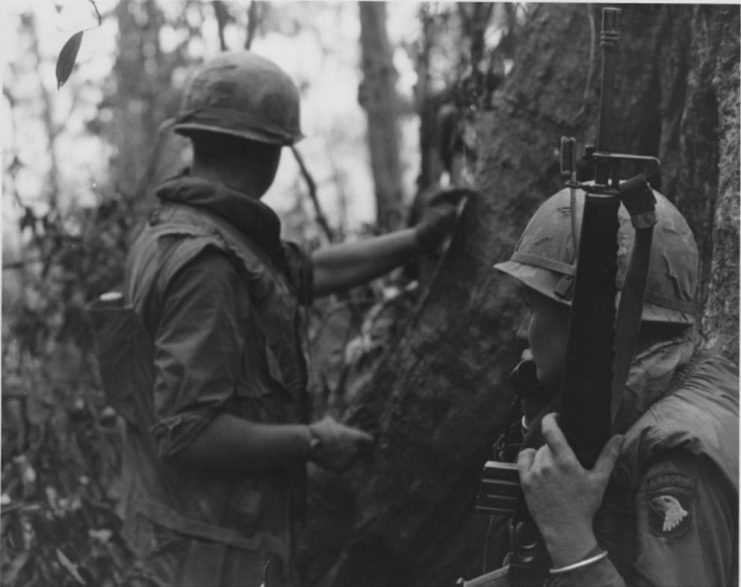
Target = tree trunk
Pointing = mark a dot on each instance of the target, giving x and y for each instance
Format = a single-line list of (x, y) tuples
[(138, 35), (439, 397), (716, 51), (143, 95), (428, 106), (223, 18), (52, 181), (377, 94)]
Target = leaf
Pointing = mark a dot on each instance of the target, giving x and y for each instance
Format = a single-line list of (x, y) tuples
[(70, 567), (67, 57)]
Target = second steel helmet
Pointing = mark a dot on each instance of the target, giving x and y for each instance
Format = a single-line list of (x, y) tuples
[(545, 257), (244, 95)]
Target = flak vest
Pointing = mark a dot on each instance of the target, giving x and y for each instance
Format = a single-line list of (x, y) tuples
[(156, 492)]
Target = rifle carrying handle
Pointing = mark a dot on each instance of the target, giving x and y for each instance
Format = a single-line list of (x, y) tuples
[(610, 25)]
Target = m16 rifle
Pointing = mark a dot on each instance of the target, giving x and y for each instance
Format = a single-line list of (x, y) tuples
[(600, 347)]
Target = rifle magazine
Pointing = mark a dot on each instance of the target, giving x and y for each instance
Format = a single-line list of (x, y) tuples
[(499, 490)]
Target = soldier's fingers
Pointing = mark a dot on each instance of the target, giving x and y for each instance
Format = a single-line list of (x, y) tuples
[(608, 457), (364, 438), (555, 439), (358, 435), (525, 460), (544, 459), (451, 196)]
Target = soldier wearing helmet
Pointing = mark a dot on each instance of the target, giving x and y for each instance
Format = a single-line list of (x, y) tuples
[(217, 479), (659, 507), (245, 96)]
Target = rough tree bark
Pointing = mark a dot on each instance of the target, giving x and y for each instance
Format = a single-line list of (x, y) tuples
[(428, 106), (715, 55), (405, 517), (377, 95)]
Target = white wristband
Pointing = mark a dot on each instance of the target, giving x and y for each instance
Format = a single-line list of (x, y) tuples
[(580, 564)]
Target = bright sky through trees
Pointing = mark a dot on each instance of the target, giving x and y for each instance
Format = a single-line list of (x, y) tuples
[(321, 55)]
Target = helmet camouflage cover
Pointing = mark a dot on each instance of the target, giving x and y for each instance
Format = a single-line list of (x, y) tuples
[(545, 256), (244, 95)]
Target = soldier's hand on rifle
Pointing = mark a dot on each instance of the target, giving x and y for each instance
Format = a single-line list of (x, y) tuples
[(438, 218), (335, 446), (561, 495)]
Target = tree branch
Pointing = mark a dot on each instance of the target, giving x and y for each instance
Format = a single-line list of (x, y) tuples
[(252, 22), (311, 184), (97, 12), (222, 19)]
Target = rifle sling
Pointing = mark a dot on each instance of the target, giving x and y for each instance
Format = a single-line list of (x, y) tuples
[(628, 322)]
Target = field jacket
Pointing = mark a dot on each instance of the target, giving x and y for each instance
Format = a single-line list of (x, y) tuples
[(213, 323), (669, 516)]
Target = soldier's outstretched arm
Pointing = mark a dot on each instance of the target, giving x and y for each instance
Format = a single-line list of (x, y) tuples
[(346, 265)]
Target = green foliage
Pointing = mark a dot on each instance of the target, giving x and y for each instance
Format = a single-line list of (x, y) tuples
[(61, 444)]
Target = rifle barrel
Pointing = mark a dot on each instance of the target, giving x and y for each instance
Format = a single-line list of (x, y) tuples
[(609, 40)]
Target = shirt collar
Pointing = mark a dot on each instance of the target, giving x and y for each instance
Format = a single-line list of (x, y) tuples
[(248, 214)]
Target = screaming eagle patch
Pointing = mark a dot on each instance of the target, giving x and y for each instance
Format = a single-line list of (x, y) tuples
[(669, 497)]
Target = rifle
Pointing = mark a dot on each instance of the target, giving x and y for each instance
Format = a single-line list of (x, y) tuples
[(598, 352)]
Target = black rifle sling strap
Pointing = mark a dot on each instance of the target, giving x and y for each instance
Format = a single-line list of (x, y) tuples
[(638, 198)]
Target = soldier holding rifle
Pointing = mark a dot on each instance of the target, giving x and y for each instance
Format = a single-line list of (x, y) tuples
[(629, 461), (659, 506)]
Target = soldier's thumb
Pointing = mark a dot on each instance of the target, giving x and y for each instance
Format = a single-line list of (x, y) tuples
[(608, 457), (363, 438)]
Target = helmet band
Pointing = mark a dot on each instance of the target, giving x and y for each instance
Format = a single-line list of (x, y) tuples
[(544, 263), (664, 301), (234, 120), (566, 270)]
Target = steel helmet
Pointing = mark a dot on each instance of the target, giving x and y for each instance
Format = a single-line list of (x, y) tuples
[(244, 95), (545, 257)]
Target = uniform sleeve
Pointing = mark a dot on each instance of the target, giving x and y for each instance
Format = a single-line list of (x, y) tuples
[(686, 530), (686, 524), (300, 271), (198, 349)]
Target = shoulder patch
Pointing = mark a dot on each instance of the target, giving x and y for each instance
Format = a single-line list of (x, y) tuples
[(669, 497)]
